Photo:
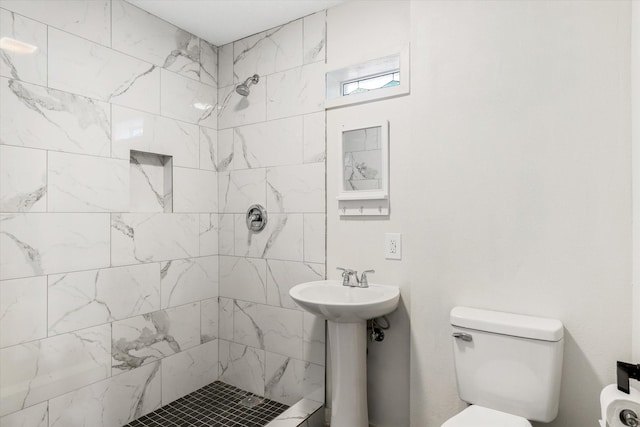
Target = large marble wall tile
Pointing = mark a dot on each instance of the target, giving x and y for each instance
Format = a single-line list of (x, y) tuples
[(225, 316), (288, 380), (314, 339), (188, 100), (88, 19), (242, 366), (265, 53), (34, 244), (285, 238), (226, 238), (23, 179), (208, 149), (237, 190), (314, 145), (274, 329), (209, 230), (315, 34), (23, 310), (102, 73), (314, 237), (188, 280), (37, 117), (140, 238), (39, 370), (216, 149), (225, 65), (208, 63), (249, 243), (144, 339), (296, 188), (296, 91), (88, 298), (78, 183), (271, 143), (280, 239), (30, 67), (283, 275), (237, 110), (154, 40), (225, 149), (314, 382), (33, 416), (189, 370), (195, 190), (243, 278), (208, 320), (136, 130), (110, 403)]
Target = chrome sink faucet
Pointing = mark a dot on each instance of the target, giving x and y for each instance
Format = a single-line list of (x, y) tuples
[(350, 278), (347, 276)]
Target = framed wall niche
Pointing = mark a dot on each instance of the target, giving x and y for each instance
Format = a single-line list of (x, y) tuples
[(151, 182)]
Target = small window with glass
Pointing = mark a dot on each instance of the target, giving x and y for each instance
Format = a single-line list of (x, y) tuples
[(369, 83)]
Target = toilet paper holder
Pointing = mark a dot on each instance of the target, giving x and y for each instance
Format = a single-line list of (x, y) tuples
[(618, 408), (624, 372)]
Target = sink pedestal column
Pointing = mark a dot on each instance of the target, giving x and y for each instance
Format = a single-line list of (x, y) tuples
[(348, 343), (346, 309)]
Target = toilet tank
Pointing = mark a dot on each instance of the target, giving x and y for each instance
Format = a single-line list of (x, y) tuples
[(508, 362)]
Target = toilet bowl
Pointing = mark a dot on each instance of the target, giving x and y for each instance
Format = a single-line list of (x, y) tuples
[(478, 416), (508, 368)]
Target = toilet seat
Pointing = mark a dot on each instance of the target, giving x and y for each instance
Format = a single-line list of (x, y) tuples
[(479, 416)]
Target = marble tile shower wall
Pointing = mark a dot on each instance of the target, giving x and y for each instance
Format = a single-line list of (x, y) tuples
[(271, 151), (108, 275)]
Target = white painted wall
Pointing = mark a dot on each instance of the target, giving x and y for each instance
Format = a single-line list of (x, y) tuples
[(510, 181), (521, 140), (357, 32), (635, 132)]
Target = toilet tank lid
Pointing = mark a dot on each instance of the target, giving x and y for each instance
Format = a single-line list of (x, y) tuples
[(518, 325)]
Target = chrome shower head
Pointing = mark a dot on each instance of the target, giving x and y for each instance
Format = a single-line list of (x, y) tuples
[(243, 88)]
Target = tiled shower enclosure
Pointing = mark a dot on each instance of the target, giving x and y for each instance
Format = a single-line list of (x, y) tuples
[(128, 278)]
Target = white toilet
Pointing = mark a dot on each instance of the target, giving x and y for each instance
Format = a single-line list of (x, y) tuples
[(508, 367)]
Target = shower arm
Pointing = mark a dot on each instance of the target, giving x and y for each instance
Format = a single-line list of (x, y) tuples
[(251, 80)]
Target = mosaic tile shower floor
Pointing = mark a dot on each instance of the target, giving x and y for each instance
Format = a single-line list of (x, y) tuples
[(214, 405)]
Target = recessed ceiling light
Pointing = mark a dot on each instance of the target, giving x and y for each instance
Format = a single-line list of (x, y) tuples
[(7, 43)]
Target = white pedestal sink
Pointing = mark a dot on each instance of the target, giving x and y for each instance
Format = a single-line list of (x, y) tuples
[(347, 310)]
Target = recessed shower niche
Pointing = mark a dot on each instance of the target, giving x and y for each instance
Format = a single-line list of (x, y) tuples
[(151, 182)]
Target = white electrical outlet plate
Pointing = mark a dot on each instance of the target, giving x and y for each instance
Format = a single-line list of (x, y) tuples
[(393, 246)]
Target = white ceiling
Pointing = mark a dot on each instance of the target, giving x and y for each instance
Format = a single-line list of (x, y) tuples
[(223, 21)]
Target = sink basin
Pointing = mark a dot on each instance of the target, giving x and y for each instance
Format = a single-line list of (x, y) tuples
[(345, 304)]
